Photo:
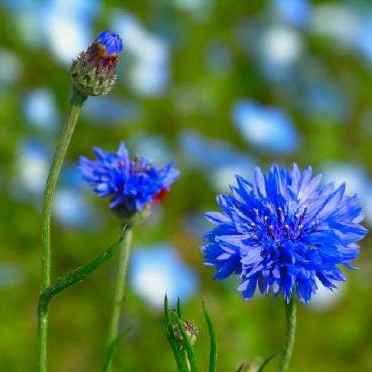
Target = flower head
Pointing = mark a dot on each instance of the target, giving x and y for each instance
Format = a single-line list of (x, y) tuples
[(93, 71), (132, 184), (284, 231)]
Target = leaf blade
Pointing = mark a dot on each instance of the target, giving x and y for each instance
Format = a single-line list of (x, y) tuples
[(75, 276), (112, 347), (187, 345), (266, 362), (212, 335), (181, 363)]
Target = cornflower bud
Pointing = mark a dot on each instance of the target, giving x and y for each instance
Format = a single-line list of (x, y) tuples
[(93, 71)]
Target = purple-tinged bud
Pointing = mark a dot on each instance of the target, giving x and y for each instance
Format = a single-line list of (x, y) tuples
[(93, 71)]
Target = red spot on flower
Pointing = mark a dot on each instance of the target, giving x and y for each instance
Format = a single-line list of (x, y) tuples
[(160, 195)]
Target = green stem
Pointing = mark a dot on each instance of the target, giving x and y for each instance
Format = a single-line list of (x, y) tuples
[(123, 259), (64, 140), (290, 310), (184, 352)]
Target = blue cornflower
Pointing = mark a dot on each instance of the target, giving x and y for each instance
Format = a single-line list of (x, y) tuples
[(283, 231), (132, 184)]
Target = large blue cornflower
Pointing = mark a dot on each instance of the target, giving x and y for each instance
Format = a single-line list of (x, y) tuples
[(284, 231), (131, 183)]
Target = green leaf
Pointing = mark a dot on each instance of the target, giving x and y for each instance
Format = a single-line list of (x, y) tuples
[(75, 276), (179, 311), (212, 335), (266, 362), (187, 345), (181, 363), (112, 347), (244, 367)]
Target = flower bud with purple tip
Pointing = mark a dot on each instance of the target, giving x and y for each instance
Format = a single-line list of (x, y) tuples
[(93, 71)]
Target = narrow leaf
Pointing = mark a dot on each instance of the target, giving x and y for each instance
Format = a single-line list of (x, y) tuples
[(212, 335), (111, 349), (181, 363), (187, 345), (244, 367), (179, 311), (75, 276), (266, 362)]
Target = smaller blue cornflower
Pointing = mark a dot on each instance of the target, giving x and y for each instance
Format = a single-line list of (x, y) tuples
[(283, 232), (132, 184)]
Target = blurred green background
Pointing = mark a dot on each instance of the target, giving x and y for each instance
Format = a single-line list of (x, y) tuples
[(219, 87)]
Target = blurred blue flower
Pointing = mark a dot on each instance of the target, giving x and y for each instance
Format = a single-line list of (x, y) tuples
[(325, 300), (149, 75), (354, 176), (154, 146), (209, 154), (363, 40), (357, 181), (11, 275), (131, 183), (337, 21), (284, 231), (149, 78), (218, 57), (71, 177), (10, 67), (110, 110), (159, 270), (324, 100), (32, 169), (198, 8), (216, 158), (67, 29), (279, 50), (40, 109), (11, 4), (294, 12), (268, 128), (71, 209)]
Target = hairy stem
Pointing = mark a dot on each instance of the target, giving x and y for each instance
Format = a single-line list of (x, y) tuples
[(64, 140), (124, 251), (290, 310)]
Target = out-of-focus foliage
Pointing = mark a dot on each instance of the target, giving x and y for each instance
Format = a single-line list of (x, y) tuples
[(219, 87)]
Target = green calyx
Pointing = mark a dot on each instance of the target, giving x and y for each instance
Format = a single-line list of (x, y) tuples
[(133, 219), (91, 79)]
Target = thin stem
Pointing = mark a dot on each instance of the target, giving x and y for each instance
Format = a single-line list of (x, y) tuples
[(290, 310), (187, 360), (64, 140), (124, 251)]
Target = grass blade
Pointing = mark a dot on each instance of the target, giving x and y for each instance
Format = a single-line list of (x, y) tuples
[(266, 362), (187, 345), (212, 335), (179, 311), (111, 349), (181, 363)]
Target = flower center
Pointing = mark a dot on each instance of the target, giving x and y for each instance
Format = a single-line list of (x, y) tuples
[(276, 225)]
